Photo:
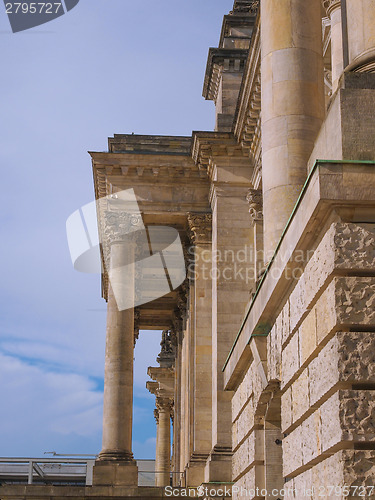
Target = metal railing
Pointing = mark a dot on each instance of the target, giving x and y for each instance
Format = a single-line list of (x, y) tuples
[(72, 471), (47, 470)]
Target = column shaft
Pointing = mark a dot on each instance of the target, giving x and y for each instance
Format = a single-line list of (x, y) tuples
[(163, 451), (337, 53), (118, 375), (361, 32), (293, 104)]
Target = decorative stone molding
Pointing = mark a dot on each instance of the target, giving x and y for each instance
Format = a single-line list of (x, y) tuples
[(137, 317), (177, 327), (255, 200), (118, 225), (200, 226), (167, 354), (331, 5), (156, 415), (245, 6)]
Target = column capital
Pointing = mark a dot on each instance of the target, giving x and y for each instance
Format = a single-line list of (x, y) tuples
[(164, 405), (168, 344), (255, 199), (200, 225), (118, 225), (156, 415), (331, 5)]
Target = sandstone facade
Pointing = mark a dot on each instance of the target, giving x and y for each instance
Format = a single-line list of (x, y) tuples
[(268, 364)]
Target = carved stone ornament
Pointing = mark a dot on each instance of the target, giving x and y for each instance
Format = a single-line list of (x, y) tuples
[(137, 317), (331, 5), (156, 415), (244, 6), (167, 355), (118, 225), (164, 405), (255, 199), (200, 225)]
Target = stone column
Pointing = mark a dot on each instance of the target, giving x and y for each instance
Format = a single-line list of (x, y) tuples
[(115, 464), (157, 464), (293, 105), (361, 34), (200, 225), (334, 12), (163, 450)]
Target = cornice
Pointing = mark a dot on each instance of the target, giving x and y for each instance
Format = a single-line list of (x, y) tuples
[(207, 145), (221, 60)]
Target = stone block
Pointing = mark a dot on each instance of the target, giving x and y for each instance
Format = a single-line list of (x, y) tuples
[(307, 336), (297, 302), (286, 410), (285, 322), (274, 353), (300, 396), (355, 299), (348, 415), (326, 318), (115, 474), (292, 452), (348, 357), (290, 362), (311, 438)]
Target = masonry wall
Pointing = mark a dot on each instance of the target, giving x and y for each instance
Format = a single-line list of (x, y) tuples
[(320, 360)]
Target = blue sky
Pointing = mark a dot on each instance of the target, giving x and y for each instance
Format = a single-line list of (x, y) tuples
[(108, 66)]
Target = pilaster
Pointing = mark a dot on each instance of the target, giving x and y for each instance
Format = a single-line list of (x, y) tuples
[(232, 278), (200, 225)]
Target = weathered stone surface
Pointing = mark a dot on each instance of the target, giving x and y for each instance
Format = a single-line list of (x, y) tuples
[(274, 341), (290, 360), (307, 336), (285, 322), (345, 246), (286, 409), (311, 437), (348, 357), (355, 298), (292, 452), (348, 415), (300, 396)]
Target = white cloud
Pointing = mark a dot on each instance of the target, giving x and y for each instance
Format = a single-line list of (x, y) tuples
[(44, 407)]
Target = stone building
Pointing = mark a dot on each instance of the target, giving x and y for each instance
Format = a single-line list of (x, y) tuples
[(267, 365)]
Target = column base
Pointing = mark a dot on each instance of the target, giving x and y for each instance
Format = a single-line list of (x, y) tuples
[(115, 473), (219, 465)]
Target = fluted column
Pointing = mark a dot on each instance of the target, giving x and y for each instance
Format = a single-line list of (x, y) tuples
[(361, 34), (163, 449), (293, 105), (333, 8)]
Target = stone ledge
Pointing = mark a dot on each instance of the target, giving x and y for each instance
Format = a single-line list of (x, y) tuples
[(39, 492)]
